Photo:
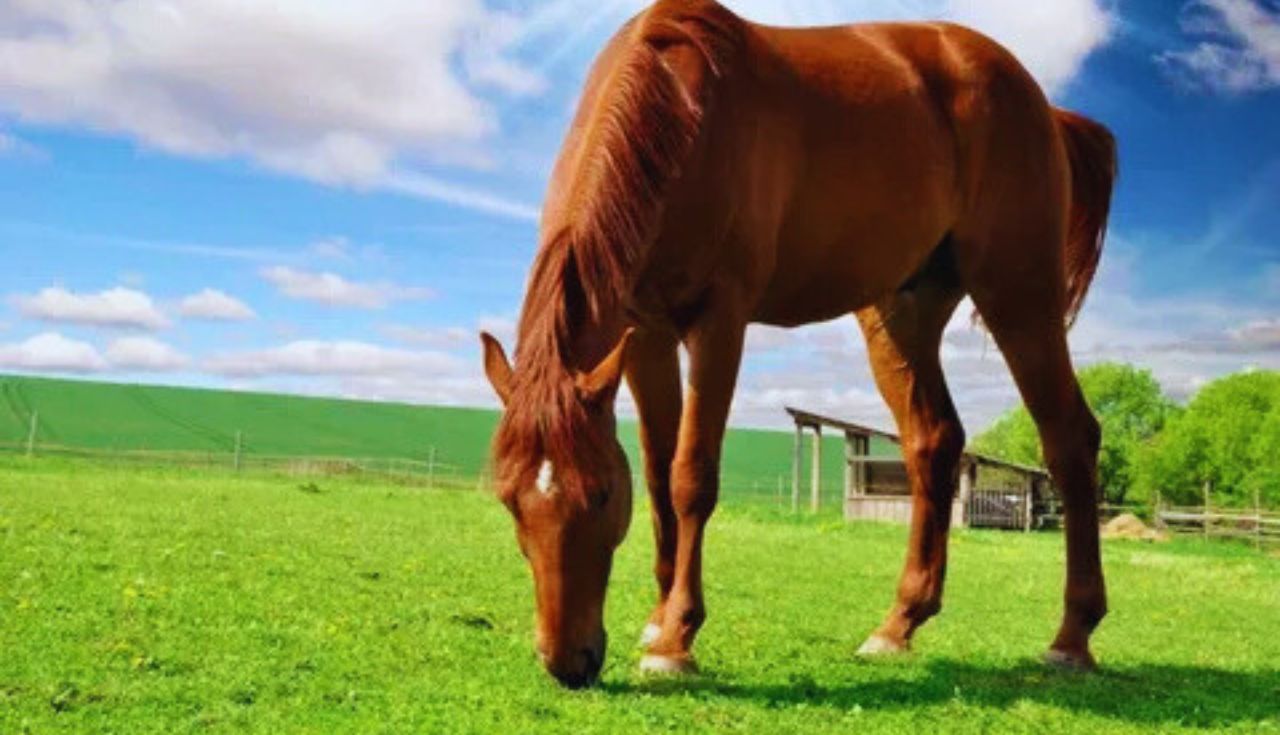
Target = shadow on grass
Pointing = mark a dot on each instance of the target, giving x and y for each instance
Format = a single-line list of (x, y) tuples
[(1149, 694)]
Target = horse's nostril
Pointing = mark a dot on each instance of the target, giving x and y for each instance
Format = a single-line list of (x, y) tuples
[(584, 672)]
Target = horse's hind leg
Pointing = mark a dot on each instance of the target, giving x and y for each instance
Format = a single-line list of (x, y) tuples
[(653, 374), (1017, 287), (903, 334)]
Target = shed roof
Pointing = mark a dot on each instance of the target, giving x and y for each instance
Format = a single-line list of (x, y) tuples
[(807, 418)]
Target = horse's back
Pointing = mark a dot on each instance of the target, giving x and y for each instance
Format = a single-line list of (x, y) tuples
[(890, 130)]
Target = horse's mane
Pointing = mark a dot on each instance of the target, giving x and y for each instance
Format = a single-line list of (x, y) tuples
[(633, 138)]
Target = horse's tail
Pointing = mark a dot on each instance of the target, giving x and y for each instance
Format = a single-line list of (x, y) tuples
[(1091, 151)]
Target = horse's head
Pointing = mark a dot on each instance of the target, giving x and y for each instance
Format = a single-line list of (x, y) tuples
[(560, 471)]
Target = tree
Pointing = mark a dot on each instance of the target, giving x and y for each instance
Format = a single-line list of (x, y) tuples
[(1229, 436), (1128, 403)]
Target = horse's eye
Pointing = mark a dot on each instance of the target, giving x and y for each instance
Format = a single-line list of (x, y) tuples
[(600, 500)]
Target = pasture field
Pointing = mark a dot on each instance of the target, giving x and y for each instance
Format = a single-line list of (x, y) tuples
[(137, 600), (117, 417)]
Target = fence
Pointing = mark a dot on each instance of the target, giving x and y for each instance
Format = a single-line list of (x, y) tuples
[(1010, 509), (1255, 525), (429, 472), (770, 493)]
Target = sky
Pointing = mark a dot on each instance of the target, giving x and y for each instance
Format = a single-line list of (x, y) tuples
[(332, 198)]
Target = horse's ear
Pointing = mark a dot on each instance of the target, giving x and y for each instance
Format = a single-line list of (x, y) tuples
[(497, 367), (601, 384)]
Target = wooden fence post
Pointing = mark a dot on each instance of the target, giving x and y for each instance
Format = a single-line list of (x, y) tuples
[(1207, 506), (235, 462), (31, 433), (431, 469), (1257, 518)]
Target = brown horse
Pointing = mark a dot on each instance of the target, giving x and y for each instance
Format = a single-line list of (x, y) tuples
[(720, 173)]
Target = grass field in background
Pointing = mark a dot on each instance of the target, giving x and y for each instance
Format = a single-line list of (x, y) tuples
[(109, 416), (161, 600)]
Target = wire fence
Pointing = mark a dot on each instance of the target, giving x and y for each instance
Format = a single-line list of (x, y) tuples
[(433, 471), (429, 472), (1256, 525)]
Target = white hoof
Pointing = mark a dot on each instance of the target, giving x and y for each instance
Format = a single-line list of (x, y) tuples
[(878, 645), (649, 634), (1064, 661), (667, 665)]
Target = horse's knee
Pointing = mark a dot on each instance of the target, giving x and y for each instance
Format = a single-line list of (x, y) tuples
[(695, 485), (935, 452), (1071, 447)]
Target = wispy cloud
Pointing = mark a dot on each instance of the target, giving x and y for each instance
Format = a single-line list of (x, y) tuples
[(428, 187), (332, 358), (1238, 50), (11, 146), (332, 289)]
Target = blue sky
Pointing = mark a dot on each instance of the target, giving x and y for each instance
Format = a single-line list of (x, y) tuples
[(327, 198)]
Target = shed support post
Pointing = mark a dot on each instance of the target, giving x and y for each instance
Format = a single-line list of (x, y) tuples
[(850, 451), (967, 471), (795, 468), (1028, 500), (815, 480)]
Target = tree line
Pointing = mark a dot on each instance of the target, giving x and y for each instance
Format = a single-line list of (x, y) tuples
[(1227, 435)]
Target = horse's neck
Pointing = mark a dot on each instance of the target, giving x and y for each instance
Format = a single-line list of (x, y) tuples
[(587, 343)]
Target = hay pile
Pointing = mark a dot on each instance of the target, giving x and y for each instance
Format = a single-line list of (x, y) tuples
[(1127, 525)]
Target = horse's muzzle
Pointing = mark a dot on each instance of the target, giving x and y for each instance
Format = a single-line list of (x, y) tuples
[(576, 669)]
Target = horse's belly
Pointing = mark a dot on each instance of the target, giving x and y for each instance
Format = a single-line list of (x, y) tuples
[(823, 273)]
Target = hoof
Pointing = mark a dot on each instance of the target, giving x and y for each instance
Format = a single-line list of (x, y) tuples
[(1069, 660), (660, 665), (878, 645), (649, 634)]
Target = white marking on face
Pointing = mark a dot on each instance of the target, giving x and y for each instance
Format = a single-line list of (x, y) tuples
[(546, 480)]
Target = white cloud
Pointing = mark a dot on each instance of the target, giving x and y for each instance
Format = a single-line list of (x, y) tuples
[(439, 338), (116, 307), (1052, 39), (429, 187), (146, 354), (333, 358), (51, 352), (214, 305), (336, 92), (334, 290), (1241, 52)]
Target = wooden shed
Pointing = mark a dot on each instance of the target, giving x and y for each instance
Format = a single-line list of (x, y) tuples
[(992, 493)]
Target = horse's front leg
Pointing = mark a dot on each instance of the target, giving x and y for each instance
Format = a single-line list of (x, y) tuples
[(653, 374), (715, 351)]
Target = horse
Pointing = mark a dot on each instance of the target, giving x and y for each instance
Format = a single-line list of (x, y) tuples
[(719, 173)]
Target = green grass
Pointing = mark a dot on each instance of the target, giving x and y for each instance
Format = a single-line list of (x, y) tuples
[(110, 416), (153, 600)]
